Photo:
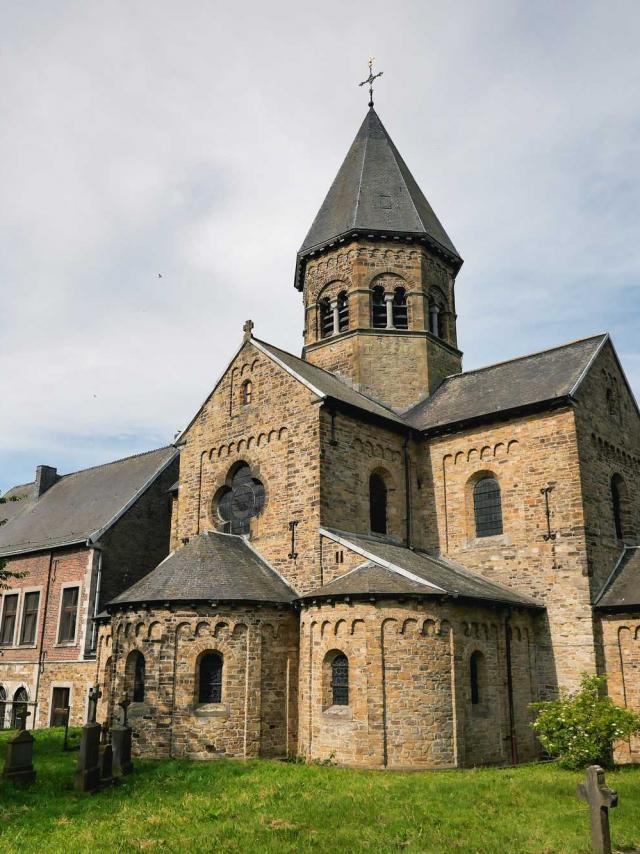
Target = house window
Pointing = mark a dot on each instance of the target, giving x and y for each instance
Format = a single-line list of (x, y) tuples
[(340, 680), (326, 318), (59, 705), (343, 311), (3, 706), (68, 615), (476, 677), (210, 678), (487, 507), (247, 392), (620, 505), (9, 615), (400, 319), (19, 709), (241, 500), (377, 504), (29, 618), (378, 308)]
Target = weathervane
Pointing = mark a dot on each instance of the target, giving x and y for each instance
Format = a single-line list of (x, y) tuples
[(370, 80)]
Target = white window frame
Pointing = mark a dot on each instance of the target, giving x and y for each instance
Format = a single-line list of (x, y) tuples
[(63, 587), (24, 592), (15, 591)]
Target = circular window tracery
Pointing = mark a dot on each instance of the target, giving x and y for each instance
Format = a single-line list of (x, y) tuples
[(241, 500)]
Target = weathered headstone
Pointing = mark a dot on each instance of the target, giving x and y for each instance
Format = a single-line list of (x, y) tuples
[(600, 798), (18, 766), (88, 768), (121, 741)]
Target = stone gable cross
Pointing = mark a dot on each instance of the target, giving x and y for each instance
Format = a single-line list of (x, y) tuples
[(247, 329), (94, 695), (600, 798)]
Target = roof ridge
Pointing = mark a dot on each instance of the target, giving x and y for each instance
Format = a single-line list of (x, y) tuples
[(114, 462)]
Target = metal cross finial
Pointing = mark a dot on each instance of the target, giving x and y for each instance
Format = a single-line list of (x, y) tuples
[(370, 80)]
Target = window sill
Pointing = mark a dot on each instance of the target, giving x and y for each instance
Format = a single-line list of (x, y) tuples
[(211, 710), (338, 713), (27, 646), (65, 645), (489, 542)]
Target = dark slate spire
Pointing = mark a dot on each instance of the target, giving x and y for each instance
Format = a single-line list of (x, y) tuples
[(374, 193)]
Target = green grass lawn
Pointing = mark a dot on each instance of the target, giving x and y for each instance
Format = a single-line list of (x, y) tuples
[(273, 806)]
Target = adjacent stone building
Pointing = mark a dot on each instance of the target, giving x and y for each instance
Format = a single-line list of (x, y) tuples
[(78, 539)]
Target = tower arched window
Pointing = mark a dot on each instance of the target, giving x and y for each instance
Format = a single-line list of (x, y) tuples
[(487, 507), (20, 699), (377, 504), (343, 311), (3, 706), (340, 680), (247, 392), (378, 308), (326, 318), (210, 678), (620, 506), (400, 317), (477, 677), (240, 500), (135, 672)]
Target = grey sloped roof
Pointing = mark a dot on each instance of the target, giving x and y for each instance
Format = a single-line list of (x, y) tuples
[(415, 571), (374, 191), (211, 566), (326, 384), (523, 382), (17, 499), (81, 505), (622, 590)]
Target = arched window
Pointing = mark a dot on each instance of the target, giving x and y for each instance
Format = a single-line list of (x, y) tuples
[(19, 707), (326, 318), (487, 507), (477, 678), (343, 311), (378, 308), (210, 678), (620, 505), (3, 706), (340, 680), (377, 504), (239, 501), (247, 392), (135, 676), (400, 319)]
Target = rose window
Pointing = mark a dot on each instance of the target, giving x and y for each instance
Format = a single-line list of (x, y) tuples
[(239, 501)]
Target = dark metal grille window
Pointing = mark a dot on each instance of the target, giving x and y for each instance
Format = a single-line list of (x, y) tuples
[(326, 319), (139, 673), (68, 615), (241, 501), (378, 309), (210, 678), (9, 612), (29, 618), (3, 706), (340, 680), (400, 318), (19, 707), (474, 674), (343, 311), (378, 504), (487, 507)]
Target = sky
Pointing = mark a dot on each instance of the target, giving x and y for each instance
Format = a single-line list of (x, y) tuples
[(196, 140)]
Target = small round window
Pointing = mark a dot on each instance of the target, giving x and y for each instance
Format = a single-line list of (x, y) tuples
[(238, 502)]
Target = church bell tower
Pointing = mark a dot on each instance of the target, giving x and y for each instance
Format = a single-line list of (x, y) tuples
[(377, 271)]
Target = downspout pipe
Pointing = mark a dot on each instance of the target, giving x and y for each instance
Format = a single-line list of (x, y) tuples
[(407, 490), (512, 725), (42, 653), (96, 599)]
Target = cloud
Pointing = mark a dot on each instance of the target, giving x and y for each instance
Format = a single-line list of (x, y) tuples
[(197, 140)]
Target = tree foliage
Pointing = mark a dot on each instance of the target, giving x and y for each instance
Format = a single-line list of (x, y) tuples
[(582, 728)]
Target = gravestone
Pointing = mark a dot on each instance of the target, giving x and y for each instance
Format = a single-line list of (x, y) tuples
[(121, 741), (600, 798), (88, 768), (18, 766)]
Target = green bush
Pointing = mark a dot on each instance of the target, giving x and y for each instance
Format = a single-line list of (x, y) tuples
[(582, 728)]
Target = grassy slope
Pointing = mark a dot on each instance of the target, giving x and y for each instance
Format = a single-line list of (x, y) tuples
[(269, 806)]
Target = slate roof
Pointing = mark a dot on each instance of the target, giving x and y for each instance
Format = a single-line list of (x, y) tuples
[(326, 384), (622, 590), (16, 500), (524, 382), (80, 506), (374, 192), (210, 567), (394, 568)]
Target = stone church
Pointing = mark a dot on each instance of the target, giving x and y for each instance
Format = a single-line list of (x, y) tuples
[(377, 558)]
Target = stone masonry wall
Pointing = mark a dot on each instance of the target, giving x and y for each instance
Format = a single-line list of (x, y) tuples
[(621, 649)]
